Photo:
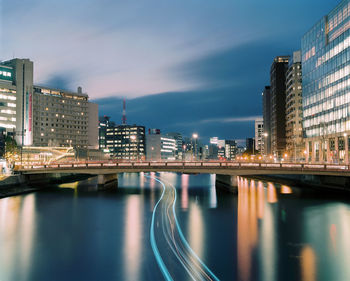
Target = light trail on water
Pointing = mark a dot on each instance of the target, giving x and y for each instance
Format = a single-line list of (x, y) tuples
[(181, 255)]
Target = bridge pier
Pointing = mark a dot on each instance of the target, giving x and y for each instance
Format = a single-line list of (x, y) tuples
[(227, 182), (107, 181)]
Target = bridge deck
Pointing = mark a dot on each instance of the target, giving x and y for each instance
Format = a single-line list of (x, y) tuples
[(228, 168)]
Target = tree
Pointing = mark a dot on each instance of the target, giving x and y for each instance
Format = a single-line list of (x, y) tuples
[(11, 149)]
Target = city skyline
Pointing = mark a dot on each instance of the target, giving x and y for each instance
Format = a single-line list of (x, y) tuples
[(202, 67)]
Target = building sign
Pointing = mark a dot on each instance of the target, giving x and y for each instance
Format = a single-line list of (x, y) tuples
[(6, 74)]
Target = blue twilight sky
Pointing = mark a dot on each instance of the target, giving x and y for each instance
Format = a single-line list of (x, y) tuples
[(184, 65)]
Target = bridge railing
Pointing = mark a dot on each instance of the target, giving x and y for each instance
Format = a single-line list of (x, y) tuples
[(186, 165)]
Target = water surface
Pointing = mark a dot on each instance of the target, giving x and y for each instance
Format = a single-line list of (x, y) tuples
[(265, 232)]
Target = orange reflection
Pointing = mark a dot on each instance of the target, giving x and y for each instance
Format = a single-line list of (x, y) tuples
[(247, 223), (271, 193), (253, 216), (286, 189), (261, 200), (308, 264), (184, 191)]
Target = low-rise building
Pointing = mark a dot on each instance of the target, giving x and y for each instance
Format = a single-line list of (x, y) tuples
[(160, 147), (179, 144), (126, 142), (230, 149)]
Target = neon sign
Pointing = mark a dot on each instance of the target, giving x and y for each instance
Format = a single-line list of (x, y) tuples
[(5, 74)]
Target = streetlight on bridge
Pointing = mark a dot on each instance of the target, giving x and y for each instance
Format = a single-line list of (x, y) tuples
[(195, 137)]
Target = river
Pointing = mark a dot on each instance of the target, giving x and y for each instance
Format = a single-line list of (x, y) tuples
[(167, 226)]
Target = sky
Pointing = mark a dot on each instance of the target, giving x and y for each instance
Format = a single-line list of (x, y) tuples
[(185, 65)]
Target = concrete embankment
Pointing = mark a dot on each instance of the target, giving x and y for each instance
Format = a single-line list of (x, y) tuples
[(14, 185), (317, 182), (19, 184)]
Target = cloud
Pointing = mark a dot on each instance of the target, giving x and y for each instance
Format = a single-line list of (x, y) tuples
[(226, 107), (60, 81), (220, 120), (130, 48)]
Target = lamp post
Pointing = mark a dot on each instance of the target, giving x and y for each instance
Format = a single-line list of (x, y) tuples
[(195, 137), (265, 143)]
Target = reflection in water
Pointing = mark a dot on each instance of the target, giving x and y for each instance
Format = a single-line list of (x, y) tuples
[(330, 238), (10, 212), (27, 233), (152, 185), (133, 235), (268, 247), (279, 237), (196, 229), (253, 208), (244, 251), (17, 220), (286, 189), (333, 237), (213, 202), (142, 180), (184, 191), (271, 193), (261, 200), (308, 264)]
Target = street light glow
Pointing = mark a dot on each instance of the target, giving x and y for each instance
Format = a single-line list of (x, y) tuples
[(195, 135)]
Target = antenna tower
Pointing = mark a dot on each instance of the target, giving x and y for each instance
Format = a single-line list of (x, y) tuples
[(124, 114)]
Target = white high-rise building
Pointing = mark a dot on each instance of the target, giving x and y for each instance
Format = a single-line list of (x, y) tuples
[(43, 116)]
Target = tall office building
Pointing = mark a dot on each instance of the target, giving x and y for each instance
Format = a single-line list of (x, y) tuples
[(259, 135), (267, 119), (249, 143), (326, 86), (22, 80), (103, 123), (278, 105), (126, 142), (8, 100), (93, 125), (294, 109)]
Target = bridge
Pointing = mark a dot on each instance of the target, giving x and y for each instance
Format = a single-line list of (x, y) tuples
[(227, 172)]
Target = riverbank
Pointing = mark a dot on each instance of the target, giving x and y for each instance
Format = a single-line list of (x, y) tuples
[(325, 183), (12, 185)]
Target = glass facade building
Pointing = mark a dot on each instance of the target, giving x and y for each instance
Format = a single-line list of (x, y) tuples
[(326, 86)]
